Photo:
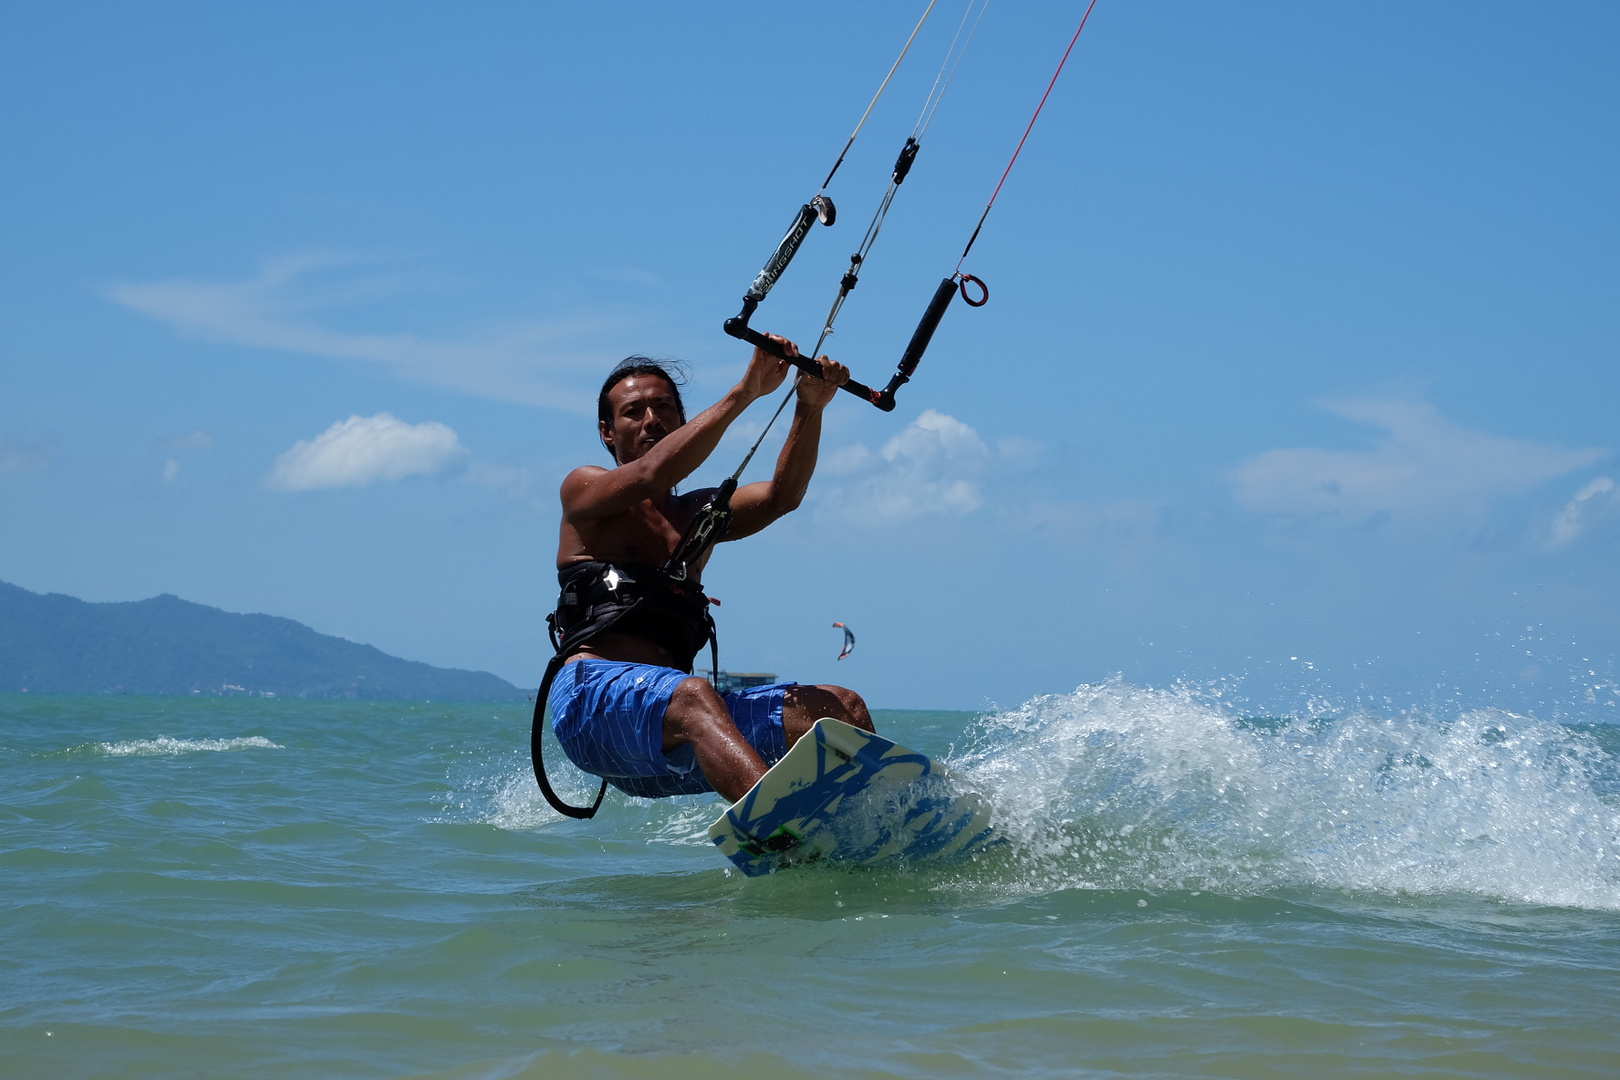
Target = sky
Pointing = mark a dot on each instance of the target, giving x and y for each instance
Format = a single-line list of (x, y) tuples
[(1298, 381)]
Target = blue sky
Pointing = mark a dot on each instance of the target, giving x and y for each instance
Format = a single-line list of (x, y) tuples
[(1299, 372)]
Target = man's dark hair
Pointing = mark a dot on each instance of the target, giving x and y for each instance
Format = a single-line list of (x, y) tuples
[(668, 370)]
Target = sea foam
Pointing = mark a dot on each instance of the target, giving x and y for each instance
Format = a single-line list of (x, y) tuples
[(164, 745), (1117, 786)]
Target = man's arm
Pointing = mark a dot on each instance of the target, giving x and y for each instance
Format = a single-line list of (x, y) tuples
[(757, 505), (593, 492)]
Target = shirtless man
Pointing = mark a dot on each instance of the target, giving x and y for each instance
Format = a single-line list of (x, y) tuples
[(624, 705)]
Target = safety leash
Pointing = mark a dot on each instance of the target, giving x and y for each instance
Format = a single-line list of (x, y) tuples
[(1020, 149), (902, 167), (715, 515), (820, 207), (958, 281)]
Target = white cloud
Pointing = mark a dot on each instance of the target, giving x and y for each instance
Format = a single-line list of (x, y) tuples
[(1577, 515), (939, 466), (513, 481), (364, 449), (20, 457), (196, 440), (171, 446), (1019, 452), (849, 459), (1423, 466), (934, 466), (529, 364)]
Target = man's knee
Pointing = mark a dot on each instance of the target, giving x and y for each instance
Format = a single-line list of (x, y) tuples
[(855, 710), (839, 702)]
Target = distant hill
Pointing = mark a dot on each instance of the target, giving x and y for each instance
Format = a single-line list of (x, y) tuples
[(59, 645)]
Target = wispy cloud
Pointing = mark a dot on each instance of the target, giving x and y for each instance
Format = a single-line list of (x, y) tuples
[(535, 363), (176, 444), (1423, 466), (936, 465), (518, 482), (1596, 499), (939, 467), (364, 449), (193, 440), (26, 457)]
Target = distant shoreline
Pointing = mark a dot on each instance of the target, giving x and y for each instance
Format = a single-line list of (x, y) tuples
[(166, 646), (526, 703)]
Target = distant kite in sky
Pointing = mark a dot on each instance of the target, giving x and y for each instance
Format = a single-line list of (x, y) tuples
[(849, 640)]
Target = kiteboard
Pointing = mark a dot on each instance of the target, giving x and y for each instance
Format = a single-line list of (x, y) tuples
[(846, 795)]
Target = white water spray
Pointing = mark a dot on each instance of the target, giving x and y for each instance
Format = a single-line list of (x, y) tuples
[(1114, 786)]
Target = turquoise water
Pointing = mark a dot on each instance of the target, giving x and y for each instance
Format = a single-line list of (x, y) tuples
[(252, 888)]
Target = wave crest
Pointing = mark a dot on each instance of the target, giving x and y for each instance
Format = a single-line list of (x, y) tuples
[(164, 745), (1117, 786)]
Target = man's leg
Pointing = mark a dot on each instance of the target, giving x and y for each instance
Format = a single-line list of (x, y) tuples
[(804, 705), (698, 715)]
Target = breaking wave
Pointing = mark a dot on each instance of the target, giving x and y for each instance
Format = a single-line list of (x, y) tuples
[(163, 745), (1116, 786)]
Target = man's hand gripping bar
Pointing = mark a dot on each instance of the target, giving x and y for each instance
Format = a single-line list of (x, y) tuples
[(738, 327)]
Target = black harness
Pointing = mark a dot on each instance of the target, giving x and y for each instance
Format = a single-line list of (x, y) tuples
[(635, 598)]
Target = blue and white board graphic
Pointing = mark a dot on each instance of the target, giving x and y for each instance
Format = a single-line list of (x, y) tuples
[(845, 794)]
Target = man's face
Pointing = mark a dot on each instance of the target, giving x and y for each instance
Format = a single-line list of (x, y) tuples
[(644, 410)]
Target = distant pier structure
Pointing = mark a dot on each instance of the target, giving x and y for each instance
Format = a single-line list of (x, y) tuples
[(727, 681)]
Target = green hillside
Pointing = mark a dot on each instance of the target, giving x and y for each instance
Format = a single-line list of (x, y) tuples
[(58, 644)]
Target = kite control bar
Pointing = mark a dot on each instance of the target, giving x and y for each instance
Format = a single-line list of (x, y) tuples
[(820, 208), (738, 327)]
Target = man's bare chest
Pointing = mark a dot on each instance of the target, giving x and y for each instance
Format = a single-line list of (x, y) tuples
[(645, 532)]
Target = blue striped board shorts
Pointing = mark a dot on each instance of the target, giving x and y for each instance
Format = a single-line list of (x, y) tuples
[(609, 718)]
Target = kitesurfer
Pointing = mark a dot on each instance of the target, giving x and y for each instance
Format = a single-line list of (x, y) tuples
[(624, 705)]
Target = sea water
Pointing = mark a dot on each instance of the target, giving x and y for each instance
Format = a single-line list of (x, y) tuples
[(257, 888)]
